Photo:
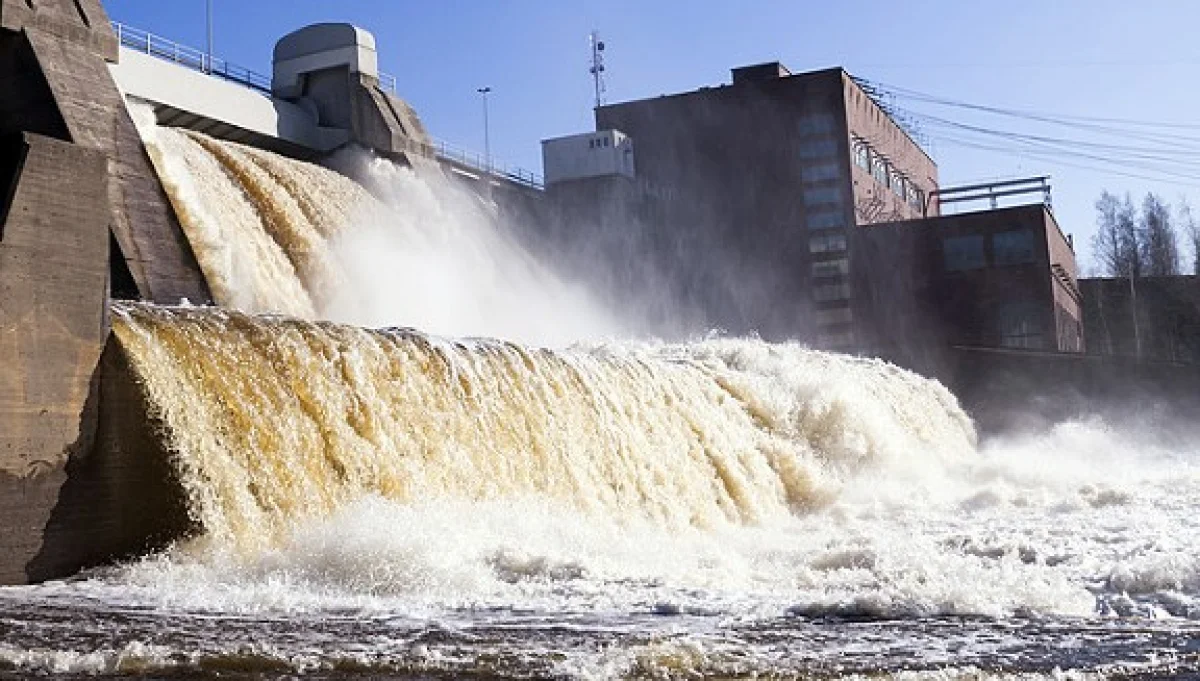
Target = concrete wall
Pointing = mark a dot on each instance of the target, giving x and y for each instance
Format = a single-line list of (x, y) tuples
[(79, 89), (74, 181), (261, 118), (1011, 391), (1168, 317), (53, 274)]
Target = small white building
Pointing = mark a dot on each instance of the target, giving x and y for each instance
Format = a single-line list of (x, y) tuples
[(593, 154)]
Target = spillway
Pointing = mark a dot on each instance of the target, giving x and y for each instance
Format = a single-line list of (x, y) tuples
[(273, 420), (278, 235)]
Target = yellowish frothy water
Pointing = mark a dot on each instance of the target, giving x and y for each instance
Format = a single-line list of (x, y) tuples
[(277, 419), (259, 224)]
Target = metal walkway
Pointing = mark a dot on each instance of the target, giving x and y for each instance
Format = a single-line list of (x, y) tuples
[(197, 60)]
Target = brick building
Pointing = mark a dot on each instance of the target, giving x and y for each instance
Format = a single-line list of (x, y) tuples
[(1001, 278), (760, 183)]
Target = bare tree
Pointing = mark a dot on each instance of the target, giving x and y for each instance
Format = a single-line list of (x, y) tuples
[(1159, 247), (1116, 244), (1191, 232)]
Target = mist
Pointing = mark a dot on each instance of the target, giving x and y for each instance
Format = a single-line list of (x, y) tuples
[(437, 258)]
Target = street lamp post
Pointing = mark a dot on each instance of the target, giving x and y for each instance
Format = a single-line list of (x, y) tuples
[(487, 142), (208, 20)]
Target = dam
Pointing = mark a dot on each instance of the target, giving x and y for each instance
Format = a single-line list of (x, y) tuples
[(143, 402), (184, 330), (70, 493), (289, 388)]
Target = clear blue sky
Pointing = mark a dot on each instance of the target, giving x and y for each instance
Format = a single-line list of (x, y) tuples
[(1099, 58)]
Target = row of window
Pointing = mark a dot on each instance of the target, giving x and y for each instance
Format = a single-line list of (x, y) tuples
[(825, 293), (817, 123), (818, 195), (827, 243), (869, 160), (826, 219), (1008, 248), (596, 143), (825, 212), (831, 268), (820, 147), (821, 172)]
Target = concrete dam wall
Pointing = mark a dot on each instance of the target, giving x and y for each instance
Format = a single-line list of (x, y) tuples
[(83, 215)]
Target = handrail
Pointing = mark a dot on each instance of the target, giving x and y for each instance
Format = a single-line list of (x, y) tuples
[(197, 60), (189, 57), (497, 168)]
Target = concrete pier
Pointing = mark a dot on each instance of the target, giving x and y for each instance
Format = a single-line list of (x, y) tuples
[(74, 181)]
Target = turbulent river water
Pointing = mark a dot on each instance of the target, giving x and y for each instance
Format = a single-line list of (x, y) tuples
[(403, 504)]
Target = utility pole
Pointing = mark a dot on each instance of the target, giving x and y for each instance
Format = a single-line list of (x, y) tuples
[(208, 15), (487, 141)]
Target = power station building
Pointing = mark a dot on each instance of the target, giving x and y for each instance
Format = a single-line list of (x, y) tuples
[(760, 183), (795, 206)]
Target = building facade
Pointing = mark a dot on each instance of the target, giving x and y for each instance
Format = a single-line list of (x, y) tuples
[(1001, 278), (766, 178)]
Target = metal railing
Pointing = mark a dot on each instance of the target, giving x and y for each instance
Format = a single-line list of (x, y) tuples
[(189, 57), (197, 60), (477, 162)]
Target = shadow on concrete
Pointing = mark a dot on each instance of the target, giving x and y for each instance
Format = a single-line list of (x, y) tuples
[(121, 496)]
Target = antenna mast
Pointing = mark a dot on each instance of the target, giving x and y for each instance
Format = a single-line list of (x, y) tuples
[(597, 69)]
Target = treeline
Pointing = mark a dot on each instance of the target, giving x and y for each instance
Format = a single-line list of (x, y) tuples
[(1144, 243)]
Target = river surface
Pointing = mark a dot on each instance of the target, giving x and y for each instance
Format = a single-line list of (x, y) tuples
[(1067, 554)]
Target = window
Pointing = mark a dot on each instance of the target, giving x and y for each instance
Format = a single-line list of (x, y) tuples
[(898, 184), (821, 172), (817, 195), (829, 292), (862, 156), (963, 252), (823, 147), (1012, 248), (1020, 326), (829, 243), (916, 197), (815, 123), (879, 169), (839, 315), (591, 144), (825, 220), (831, 268)]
